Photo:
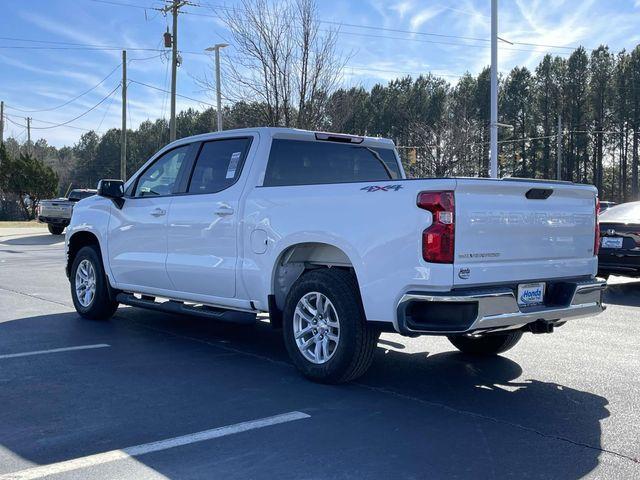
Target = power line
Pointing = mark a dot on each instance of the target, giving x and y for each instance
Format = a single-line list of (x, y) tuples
[(121, 4), (82, 114), (70, 100), (371, 69), (352, 25), (51, 123), (437, 42), (386, 29), (8, 117), (177, 94)]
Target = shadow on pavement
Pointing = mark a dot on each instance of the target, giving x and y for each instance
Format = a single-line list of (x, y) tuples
[(41, 239), (412, 416), (623, 294)]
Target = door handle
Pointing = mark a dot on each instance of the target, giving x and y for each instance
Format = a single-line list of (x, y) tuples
[(224, 210), (158, 212)]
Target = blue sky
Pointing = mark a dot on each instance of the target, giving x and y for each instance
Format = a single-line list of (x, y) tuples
[(37, 76)]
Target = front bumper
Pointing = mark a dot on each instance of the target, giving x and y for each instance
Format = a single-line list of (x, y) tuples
[(491, 309)]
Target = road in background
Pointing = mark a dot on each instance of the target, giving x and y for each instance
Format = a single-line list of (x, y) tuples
[(556, 406)]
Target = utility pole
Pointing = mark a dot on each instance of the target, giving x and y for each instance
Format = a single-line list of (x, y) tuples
[(559, 149), (174, 71), (493, 164), (216, 48), (174, 8), (1, 123), (28, 135), (123, 132)]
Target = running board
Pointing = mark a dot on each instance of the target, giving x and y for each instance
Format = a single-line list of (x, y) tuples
[(180, 308)]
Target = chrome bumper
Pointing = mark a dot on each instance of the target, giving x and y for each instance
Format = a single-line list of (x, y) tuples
[(497, 308)]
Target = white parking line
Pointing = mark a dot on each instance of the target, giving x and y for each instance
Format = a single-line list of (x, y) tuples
[(54, 350), (125, 453)]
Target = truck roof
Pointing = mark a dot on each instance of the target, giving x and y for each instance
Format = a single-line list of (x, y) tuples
[(288, 133)]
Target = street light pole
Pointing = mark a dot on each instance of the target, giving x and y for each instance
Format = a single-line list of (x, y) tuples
[(123, 131), (216, 48), (493, 165)]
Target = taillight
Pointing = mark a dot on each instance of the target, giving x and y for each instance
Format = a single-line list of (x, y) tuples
[(596, 241), (438, 239)]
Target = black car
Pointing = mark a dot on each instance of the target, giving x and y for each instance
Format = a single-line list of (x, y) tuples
[(620, 241)]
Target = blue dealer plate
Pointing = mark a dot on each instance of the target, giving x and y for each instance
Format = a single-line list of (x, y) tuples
[(530, 294), (611, 242)]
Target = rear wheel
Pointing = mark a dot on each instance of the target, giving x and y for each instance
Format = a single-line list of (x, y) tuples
[(325, 329), (89, 289), (55, 229), (485, 344)]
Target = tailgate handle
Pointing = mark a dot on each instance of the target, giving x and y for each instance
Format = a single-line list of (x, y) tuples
[(539, 193)]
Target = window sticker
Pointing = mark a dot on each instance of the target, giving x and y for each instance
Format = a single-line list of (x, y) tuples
[(233, 165)]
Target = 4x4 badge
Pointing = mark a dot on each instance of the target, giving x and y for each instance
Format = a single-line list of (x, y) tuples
[(385, 188)]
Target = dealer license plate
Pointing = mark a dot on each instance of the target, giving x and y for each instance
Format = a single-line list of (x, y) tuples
[(611, 242), (530, 294)]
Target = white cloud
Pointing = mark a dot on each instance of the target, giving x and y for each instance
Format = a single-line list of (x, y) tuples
[(72, 34), (403, 7), (423, 17)]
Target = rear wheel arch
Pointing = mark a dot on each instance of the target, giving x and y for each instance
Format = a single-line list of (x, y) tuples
[(297, 259)]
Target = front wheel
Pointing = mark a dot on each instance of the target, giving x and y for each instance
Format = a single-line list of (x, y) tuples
[(55, 229), (89, 289), (325, 329), (492, 344)]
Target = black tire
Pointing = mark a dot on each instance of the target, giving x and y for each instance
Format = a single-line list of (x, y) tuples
[(355, 349), (55, 229), (101, 306), (485, 344)]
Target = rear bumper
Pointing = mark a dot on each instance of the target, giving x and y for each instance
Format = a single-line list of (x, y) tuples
[(55, 220), (494, 308)]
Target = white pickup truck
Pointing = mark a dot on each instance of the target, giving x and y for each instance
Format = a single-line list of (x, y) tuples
[(324, 233), (56, 213)]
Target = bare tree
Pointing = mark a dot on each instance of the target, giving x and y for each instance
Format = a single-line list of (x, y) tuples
[(283, 60)]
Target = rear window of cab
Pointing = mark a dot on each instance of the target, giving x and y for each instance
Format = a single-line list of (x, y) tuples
[(299, 162)]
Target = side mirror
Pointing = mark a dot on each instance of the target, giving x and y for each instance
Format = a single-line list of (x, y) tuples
[(113, 189)]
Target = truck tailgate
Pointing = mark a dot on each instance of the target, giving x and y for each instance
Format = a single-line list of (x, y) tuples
[(56, 209), (512, 230)]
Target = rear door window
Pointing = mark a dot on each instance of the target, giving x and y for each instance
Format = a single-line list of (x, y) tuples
[(219, 165), (297, 162)]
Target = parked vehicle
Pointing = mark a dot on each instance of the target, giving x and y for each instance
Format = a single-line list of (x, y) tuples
[(604, 206), (620, 241), (57, 213), (324, 233)]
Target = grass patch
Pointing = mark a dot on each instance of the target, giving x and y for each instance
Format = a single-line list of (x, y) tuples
[(31, 223)]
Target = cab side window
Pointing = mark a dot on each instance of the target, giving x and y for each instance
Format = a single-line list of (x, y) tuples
[(160, 178), (219, 165)]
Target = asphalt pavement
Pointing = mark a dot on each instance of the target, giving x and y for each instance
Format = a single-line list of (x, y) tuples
[(149, 395)]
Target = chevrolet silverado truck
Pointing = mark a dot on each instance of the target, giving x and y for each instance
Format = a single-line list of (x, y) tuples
[(56, 213), (324, 233)]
